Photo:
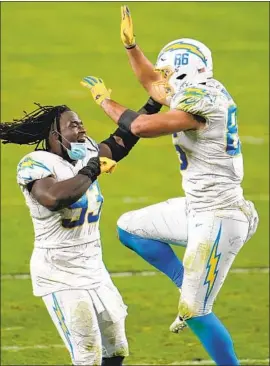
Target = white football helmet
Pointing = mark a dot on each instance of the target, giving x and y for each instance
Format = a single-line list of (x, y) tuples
[(185, 60)]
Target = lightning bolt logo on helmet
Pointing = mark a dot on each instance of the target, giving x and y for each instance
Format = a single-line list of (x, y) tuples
[(190, 61), (188, 47)]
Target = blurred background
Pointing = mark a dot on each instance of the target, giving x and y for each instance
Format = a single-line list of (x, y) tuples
[(46, 49)]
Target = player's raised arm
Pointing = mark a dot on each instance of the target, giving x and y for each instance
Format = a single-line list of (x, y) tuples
[(121, 141), (140, 125), (148, 76)]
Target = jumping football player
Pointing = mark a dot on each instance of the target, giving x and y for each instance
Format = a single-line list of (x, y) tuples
[(59, 183), (213, 221)]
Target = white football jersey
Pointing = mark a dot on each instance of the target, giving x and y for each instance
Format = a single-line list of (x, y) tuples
[(77, 224), (211, 162)]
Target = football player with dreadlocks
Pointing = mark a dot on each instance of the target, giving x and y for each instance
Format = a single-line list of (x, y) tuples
[(59, 183), (213, 221)]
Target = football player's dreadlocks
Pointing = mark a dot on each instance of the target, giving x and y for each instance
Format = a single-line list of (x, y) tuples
[(34, 127)]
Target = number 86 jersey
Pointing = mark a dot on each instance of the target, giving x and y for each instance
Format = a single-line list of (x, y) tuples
[(77, 224), (211, 162)]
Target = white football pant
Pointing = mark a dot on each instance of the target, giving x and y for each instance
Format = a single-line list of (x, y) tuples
[(87, 333), (212, 240)]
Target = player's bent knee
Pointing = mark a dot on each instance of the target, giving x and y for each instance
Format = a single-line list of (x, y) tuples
[(123, 221)]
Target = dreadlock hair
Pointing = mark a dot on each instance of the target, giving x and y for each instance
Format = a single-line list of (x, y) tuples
[(34, 127)]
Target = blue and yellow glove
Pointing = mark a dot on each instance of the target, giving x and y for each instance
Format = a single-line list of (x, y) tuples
[(127, 35), (97, 88)]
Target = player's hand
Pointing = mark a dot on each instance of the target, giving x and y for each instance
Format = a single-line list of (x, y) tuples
[(162, 88), (127, 35), (163, 91), (166, 72), (107, 165), (97, 88)]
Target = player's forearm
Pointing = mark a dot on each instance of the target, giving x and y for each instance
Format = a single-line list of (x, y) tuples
[(67, 192), (113, 109), (141, 126), (118, 145), (142, 67)]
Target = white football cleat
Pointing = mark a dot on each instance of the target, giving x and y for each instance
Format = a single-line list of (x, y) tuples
[(178, 325)]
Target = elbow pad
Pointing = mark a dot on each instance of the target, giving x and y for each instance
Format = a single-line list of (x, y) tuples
[(126, 119), (120, 151)]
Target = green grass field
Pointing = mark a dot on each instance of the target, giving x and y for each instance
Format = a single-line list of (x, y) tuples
[(46, 48)]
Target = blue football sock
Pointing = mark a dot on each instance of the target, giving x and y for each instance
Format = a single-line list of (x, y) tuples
[(155, 252), (215, 338)]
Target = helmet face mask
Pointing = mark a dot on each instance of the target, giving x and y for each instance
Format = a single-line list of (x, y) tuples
[(190, 61)]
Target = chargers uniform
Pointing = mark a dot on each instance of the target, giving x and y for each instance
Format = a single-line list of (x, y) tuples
[(213, 220), (66, 266)]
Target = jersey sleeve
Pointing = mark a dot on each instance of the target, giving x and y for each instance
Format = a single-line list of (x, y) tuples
[(32, 168), (195, 101)]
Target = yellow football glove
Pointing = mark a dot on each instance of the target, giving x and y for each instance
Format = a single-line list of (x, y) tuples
[(97, 88), (107, 165), (127, 35), (166, 72), (162, 88)]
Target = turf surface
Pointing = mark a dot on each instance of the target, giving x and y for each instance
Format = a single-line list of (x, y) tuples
[(46, 48)]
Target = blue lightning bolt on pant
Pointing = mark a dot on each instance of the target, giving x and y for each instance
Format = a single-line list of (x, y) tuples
[(208, 253)]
